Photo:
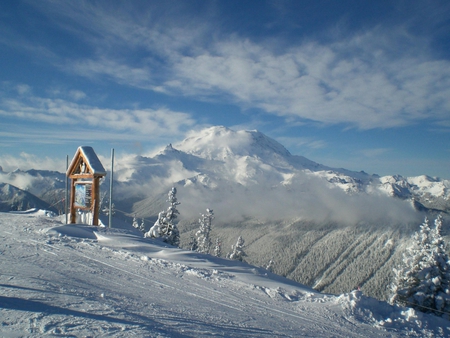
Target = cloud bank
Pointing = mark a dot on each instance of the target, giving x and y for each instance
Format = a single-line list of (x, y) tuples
[(25, 161), (310, 199)]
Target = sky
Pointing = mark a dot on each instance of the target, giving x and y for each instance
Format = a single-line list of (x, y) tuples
[(362, 85)]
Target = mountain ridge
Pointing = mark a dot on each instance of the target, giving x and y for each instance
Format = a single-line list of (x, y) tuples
[(219, 156)]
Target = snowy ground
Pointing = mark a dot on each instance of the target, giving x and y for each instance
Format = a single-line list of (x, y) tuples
[(79, 281)]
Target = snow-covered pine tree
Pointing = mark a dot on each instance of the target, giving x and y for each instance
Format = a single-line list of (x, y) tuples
[(173, 236), (164, 226), (237, 250), (135, 223), (169, 229), (269, 266), (439, 272), (155, 230), (105, 210), (193, 243), (414, 258), (422, 282), (142, 226), (203, 238), (217, 248)]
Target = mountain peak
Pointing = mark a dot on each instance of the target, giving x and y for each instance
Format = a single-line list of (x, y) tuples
[(219, 142)]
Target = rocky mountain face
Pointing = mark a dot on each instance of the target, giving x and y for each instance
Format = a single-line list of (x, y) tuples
[(15, 199), (42, 189), (329, 228)]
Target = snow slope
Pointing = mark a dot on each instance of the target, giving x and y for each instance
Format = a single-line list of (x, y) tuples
[(77, 281)]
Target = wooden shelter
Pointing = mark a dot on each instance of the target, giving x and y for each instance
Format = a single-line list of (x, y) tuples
[(85, 172)]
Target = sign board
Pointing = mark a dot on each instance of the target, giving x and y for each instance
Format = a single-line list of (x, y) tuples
[(85, 171), (83, 195)]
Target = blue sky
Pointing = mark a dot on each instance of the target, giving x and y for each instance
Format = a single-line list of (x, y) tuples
[(363, 85)]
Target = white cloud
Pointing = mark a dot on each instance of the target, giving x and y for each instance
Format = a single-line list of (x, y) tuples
[(25, 161), (23, 89), (77, 95), (378, 78), (149, 122), (297, 142), (122, 73), (308, 199), (336, 83)]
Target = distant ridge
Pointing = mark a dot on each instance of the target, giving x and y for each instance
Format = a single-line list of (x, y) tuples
[(15, 199)]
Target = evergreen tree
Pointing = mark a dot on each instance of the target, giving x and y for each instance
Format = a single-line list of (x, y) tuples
[(237, 250), (135, 223), (155, 230), (203, 238), (438, 275), (422, 282), (165, 226), (269, 266), (193, 246), (169, 229), (142, 226), (217, 248), (105, 210)]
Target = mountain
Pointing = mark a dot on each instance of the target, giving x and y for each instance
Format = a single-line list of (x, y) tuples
[(329, 228), (44, 185), (81, 281), (13, 198), (217, 162)]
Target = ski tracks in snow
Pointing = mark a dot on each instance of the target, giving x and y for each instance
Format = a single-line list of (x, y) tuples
[(76, 286)]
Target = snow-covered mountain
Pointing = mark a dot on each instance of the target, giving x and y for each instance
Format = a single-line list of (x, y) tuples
[(78, 281), (330, 228), (217, 163), (13, 198), (218, 158), (32, 189)]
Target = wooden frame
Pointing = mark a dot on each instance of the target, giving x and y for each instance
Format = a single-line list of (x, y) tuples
[(85, 169)]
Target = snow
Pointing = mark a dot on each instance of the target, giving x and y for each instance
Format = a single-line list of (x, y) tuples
[(91, 158), (219, 143), (75, 280)]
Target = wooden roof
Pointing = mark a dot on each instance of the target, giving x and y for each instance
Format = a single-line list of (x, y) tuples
[(85, 163)]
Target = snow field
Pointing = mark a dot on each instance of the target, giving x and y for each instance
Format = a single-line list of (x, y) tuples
[(78, 281)]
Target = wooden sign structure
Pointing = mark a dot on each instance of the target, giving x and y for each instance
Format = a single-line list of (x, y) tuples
[(85, 172)]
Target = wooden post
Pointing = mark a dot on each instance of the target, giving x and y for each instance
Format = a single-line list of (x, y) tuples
[(73, 216), (95, 200)]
